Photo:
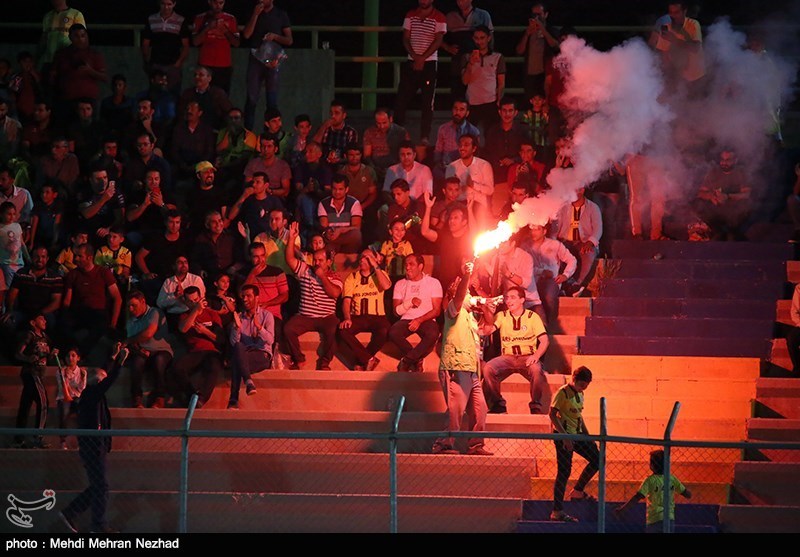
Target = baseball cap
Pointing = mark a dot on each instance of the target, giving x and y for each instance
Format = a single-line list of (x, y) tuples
[(202, 166)]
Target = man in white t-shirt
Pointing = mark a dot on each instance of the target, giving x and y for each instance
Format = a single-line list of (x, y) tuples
[(473, 172), (417, 300)]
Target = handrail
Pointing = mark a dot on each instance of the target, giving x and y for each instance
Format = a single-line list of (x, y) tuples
[(601, 484), (184, 489)]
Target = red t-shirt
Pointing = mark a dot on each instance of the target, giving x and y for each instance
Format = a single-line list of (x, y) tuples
[(90, 289), (215, 50), (196, 342)]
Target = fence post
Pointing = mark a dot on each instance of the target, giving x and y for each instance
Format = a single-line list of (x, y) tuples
[(369, 72), (667, 472), (393, 465), (601, 478), (183, 494)]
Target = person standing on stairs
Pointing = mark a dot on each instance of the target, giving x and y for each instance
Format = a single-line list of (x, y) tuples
[(793, 337), (566, 416)]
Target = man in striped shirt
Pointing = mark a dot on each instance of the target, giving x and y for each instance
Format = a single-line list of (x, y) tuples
[(319, 290), (423, 31)]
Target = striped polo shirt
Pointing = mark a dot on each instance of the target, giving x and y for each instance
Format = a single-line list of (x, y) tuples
[(339, 217), (423, 29), (314, 301)]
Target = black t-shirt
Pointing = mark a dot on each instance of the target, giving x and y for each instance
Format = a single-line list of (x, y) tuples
[(201, 202), (162, 253)]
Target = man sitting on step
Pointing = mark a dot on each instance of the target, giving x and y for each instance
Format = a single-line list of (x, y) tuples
[(524, 342), (363, 310)]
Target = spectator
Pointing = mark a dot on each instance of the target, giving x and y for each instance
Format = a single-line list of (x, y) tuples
[(363, 184), (252, 337), (11, 246), (334, 135), (146, 338), (423, 31), (116, 110), (504, 140), (319, 290), (165, 44), (201, 329), (70, 383), (450, 194), (78, 70), (275, 241), (214, 249), (312, 183), (566, 415), (417, 302), (652, 489), (273, 287), (101, 205), (538, 45), (273, 127), (417, 175), (19, 197), (254, 204), (473, 172), (267, 24), (484, 74), (518, 194), (115, 256), (144, 123), (454, 242), (646, 192), (34, 351), (236, 145), (340, 217), (537, 118), (92, 303), (394, 251), (407, 210), (528, 171), (295, 143), (268, 162), (382, 141), (59, 168), (149, 206), (221, 301), (206, 196), (363, 310), (213, 100), (10, 132), (86, 132), (93, 414), (145, 160), (46, 218), (158, 254), (524, 343), (580, 227), (448, 134), (35, 290), (27, 86), (163, 99), (170, 297), (458, 42), (679, 39), (723, 201), (39, 133), (549, 258), (56, 25), (66, 257), (215, 32), (193, 141), (459, 370)]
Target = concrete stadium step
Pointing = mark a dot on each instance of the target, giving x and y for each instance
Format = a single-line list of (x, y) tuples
[(340, 474), (750, 251), (793, 271), (714, 288), (700, 269), (773, 429), (679, 327), (557, 358), (225, 512), (727, 429), (783, 312), (684, 307), (619, 468), (647, 346), (686, 514), (778, 398), (757, 519), (767, 483), (708, 493), (611, 527), (658, 367)]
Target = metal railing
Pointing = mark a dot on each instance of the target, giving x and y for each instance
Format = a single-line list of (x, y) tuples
[(235, 444)]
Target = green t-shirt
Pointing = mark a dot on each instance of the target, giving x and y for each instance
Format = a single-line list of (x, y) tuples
[(653, 491), (460, 342)]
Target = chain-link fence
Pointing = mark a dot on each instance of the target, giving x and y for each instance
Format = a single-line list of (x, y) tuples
[(259, 481)]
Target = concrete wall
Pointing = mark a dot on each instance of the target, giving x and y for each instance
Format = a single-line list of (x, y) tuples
[(307, 78)]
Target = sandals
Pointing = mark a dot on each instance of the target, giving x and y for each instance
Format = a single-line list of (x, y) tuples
[(561, 516), (576, 495)]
